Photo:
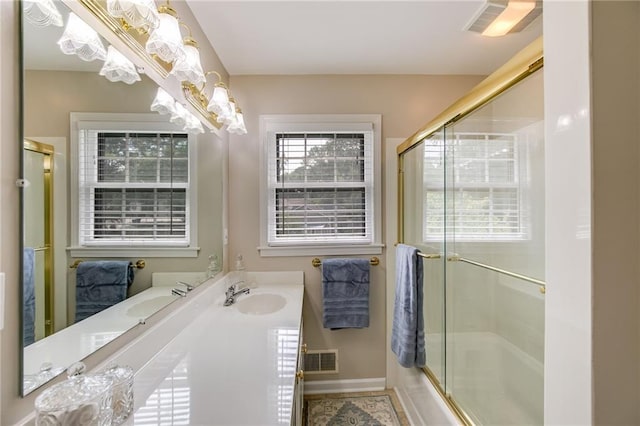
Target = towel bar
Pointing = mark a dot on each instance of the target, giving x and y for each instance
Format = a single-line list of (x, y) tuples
[(374, 261), (140, 264)]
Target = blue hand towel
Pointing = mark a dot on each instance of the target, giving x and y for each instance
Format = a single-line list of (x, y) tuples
[(407, 333), (101, 284), (345, 293), (29, 296)]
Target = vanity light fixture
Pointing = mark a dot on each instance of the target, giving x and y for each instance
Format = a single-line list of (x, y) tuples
[(189, 68), (219, 103), (163, 103), (179, 115), (515, 12), (118, 68), (227, 116), (192, 124), (140, 14), (82, 40), (220, 110), (237, 124), (42, 13), (166, 41)]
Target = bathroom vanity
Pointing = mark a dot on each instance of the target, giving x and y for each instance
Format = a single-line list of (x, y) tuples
[(230, 365), (209, 364)]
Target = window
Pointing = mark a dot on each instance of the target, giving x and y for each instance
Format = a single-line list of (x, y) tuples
[(321, 186), (483, 181), (134, 186)]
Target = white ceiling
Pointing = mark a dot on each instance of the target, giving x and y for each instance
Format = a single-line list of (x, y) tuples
[(353, 37)]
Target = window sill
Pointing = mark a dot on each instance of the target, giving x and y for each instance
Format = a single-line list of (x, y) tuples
[(133, 251), (319, 250)]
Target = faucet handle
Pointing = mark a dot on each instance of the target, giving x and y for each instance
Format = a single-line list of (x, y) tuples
[(188, 286), (231, 290)]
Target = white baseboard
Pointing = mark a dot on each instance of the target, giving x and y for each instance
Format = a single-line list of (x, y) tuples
[(340, 386)]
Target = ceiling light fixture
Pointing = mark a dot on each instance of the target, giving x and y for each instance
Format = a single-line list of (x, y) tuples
[(500, 17), (166, 40), (189, 68), (118, 68), (82, 40), (140, 14), (42, 13), (515, 12)]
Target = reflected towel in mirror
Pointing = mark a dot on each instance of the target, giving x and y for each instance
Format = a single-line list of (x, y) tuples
[(29, 296), (101, 284)]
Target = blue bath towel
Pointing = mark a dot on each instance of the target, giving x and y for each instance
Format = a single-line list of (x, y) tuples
[(29, 296), (407, 333), (101, 284), (345, 293)]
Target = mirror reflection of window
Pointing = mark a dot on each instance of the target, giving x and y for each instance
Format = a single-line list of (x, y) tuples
[(134, 188)]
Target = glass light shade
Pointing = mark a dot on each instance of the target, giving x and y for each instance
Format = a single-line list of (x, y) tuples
[(179, 115), (219, 100), (118, 68), (166, 40), (227, 116), (240, 121), (81, 40), (189, 67), (137, 13), (41, 13), (237, 126), (193, 125), (163, 103)]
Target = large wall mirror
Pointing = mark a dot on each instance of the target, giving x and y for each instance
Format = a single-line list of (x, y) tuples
[(103, 176)]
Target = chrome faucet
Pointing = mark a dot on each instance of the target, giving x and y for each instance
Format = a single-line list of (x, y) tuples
[(178, 292), (231, 294), (188, 286)]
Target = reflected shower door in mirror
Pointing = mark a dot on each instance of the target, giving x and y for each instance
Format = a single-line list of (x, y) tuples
[(107, 181), (38, 247)]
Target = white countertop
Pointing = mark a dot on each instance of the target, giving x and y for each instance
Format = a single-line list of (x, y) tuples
[(225, 367), (75, 342)]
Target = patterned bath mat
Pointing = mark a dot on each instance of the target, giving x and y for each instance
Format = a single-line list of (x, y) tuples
[(371, 409)]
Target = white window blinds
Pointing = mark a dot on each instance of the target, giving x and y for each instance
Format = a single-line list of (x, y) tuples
[(321, 187), (482, 191), (133, 188)]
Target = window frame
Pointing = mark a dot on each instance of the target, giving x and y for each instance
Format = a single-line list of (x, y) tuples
[(129, 123), (519, 185), (270, 125)]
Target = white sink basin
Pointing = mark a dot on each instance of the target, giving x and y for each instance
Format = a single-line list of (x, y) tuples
[(148, 307), (260, 304)]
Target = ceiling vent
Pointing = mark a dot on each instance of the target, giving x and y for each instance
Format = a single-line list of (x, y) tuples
[(490, 11)]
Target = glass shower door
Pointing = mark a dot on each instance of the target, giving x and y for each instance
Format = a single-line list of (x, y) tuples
[(423, 194), (495, 258), (37, 238)]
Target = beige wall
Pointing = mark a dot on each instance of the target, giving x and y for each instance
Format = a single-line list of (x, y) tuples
[(616, 222), (406, 102), (212, 153)]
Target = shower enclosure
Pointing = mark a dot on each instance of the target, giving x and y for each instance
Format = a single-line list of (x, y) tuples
[(472, 200)]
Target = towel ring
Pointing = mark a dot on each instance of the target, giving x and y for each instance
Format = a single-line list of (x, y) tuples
[(316, 262)]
